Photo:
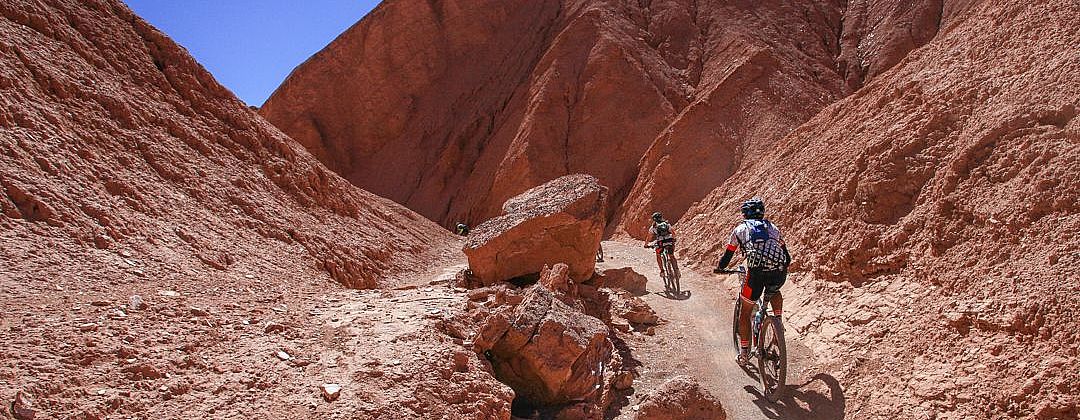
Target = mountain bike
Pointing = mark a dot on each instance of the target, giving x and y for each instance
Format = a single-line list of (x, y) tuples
[(670, 272), (767, 340)]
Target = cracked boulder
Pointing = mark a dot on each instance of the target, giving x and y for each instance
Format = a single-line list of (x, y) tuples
[(558, 222), (549, 353)]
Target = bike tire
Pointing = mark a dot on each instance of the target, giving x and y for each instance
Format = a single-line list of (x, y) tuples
[(735, 324), (674, 272), (772, 359)]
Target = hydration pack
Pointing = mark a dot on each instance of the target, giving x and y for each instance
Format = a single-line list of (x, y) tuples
[(663, 230), (763, 251)]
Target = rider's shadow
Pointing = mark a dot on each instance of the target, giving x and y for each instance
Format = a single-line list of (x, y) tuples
[(668, 294), (817, 404)]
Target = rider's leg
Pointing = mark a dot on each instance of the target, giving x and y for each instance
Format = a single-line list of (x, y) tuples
[(749, 294), (777, 303), (659, 260)]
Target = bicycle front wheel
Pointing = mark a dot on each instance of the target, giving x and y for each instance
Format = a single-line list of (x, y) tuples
[(735, 324), (772, 359)]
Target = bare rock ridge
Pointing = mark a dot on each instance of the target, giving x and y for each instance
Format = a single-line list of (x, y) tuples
[(113, 136), (453, 107), (558, 222)]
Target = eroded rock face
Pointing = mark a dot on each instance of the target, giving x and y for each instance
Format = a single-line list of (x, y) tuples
[(452, 107), (111, 136), (548, 352), (681, 398), (558, 222), (942, 177)]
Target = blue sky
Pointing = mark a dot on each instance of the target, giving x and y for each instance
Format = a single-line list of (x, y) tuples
[(251, 45)]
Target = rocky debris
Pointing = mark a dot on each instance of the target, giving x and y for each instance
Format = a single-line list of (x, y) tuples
[(330, 392), (549, 353), (23, 406), (558, 222), (680, 398), (622, 278), (632, 308), (623, 380)]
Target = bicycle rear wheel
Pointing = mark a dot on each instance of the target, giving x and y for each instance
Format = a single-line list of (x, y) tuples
[(672, 271), (772, 359)]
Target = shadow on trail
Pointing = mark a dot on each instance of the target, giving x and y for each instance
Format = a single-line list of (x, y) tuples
[(818, 405), (668, 294)]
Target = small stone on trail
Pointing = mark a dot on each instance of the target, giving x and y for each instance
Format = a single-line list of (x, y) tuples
[(197, 311), (168, 293), (136, 302), (331, 392), (23, 406), (283, 355), (88, 327), (272, 327)]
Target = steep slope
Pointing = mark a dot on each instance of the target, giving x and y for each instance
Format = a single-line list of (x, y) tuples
[(114, 137), (939, 207), (166, 253), (452, 107)]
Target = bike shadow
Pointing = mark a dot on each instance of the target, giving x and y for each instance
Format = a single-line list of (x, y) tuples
[(673, 295), (803, 402)]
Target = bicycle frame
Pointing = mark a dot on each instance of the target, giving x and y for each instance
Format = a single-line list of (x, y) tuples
[(770, 356)]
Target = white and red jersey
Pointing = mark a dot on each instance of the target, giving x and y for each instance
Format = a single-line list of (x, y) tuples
[(761, 244)]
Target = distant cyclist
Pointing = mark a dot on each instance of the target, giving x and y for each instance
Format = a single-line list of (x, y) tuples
[(767, 260), (662, 236), (462, 229)]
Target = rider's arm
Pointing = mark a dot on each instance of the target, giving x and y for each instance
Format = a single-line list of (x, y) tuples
[(726, 259), (729, 252)]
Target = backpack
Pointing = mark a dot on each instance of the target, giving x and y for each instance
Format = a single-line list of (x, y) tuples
[(663, 230), (763, 251)]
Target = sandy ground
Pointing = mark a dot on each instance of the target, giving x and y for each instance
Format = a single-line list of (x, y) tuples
[(695, 339)]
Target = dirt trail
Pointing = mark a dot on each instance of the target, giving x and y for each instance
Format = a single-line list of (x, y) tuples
[(696, 339)]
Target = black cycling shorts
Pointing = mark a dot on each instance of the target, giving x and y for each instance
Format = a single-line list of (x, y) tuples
[(759, 280)]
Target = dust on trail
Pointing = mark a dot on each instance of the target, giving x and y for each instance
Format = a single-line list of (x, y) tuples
[(695, 339)]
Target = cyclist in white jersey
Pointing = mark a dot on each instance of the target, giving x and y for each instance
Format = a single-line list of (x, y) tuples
[(767, 259)]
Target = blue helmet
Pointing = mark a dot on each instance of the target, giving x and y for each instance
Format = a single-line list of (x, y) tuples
[(753, 208)]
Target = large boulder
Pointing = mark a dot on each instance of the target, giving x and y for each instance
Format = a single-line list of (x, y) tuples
[(560, 221), (681, 398), (549, 353)]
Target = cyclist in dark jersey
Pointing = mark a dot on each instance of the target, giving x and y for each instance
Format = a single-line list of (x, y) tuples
[(663, 236), (767, 259)]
